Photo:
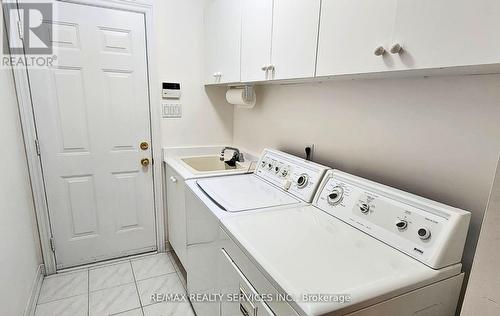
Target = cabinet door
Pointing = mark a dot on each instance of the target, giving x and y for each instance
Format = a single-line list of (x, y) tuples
[(223, 41), (256, 30), (176, 210), (350, 32), (211, 61), (448, 33), (229, 42), (295, 38)]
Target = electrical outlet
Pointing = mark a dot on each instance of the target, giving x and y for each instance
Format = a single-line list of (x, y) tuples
[(311, 151)]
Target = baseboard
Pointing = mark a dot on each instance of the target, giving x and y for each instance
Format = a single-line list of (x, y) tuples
[(36, 286)]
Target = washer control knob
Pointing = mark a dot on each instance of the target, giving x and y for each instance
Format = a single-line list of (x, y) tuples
[(302, 180), (263, 163), (270, 166), (277, 169), (364, 208), (402, 225), (424, 233), (284, 172), (335, 196)]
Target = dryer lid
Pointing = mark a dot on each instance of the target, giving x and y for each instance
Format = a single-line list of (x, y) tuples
[(244, 192), (305, 251)]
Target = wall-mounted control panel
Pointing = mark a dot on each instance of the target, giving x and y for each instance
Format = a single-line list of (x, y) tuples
[(171, 90), (426, 230), (297, 176)]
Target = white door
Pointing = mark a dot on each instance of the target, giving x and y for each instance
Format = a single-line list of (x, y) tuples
[(223, 41), (295, 38), (256, 33), (448, 33), (350, 33), (92, 113)]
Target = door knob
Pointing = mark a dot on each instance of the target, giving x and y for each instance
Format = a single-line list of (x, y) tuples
[(396, 49), (379, 51), (173, 179), (145, 162), (144, 145)]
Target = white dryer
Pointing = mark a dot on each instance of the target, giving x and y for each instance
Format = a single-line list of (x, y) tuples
[(280, 180), (362, 249)]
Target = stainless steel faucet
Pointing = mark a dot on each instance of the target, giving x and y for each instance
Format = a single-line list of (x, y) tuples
[(237, 155)]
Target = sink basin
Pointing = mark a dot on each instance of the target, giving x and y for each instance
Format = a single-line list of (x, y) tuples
[(209, 163)]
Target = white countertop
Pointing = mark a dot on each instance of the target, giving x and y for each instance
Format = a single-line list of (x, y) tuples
[(173, 157)]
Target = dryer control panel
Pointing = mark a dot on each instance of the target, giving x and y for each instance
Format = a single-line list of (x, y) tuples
[(293, 174), (428, 231)]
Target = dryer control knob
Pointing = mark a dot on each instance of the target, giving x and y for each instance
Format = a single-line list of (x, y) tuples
[(424, 233), (335, 196), (402, 225), (364, 208)]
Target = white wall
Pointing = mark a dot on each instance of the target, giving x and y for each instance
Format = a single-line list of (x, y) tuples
[(436, 137), (206, 119), (483, 292), (19, 247)]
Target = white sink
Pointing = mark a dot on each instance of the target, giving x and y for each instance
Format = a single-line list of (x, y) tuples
[(209, 164)]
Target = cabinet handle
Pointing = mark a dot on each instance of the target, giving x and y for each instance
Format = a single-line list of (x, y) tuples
[(379, 51), (265, 68), (396, 49), (173, 179)]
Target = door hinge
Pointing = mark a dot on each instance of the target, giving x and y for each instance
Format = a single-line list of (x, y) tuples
[(52, 244), (20, 29), (37, 147)]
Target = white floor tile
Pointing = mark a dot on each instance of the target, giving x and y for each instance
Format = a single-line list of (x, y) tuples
[(165, 284), (63, 285), (134, 312), (152, 266), (114, 300), (169, 309), (110, 276), (73, 306)]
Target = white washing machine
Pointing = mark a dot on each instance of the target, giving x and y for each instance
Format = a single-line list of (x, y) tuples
[(361, 249), (280, 180)]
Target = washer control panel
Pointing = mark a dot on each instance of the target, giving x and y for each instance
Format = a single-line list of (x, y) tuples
[(426, 230), (293, 174)]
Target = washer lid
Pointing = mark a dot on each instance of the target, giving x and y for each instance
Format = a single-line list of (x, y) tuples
[(306, 251), (244, 192)]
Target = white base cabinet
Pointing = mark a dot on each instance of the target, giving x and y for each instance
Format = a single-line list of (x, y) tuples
[(176, 213)]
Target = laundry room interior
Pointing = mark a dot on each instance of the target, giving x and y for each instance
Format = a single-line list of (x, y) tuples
[(250, 157)]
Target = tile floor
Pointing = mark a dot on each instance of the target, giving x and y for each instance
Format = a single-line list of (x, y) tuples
[(121, 288)]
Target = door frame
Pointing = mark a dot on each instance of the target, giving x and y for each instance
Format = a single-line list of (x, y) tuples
[(28, 126)]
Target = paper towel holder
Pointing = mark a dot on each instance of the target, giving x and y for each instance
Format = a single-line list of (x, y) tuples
[(248, 93)]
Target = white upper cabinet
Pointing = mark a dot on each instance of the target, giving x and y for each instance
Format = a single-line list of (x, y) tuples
[(447, 33), (279, 39), (222, 41), (295, 38), (355, 36), (256, 30), (259, 40)]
